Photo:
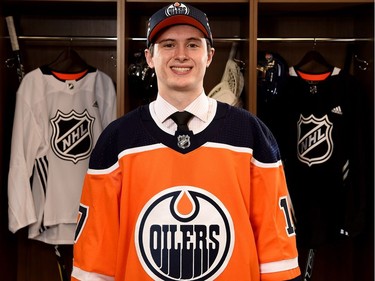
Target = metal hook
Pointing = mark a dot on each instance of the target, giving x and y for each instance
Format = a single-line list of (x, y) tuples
[(363, 64), (10, 63), (113, 58), (70, 43)]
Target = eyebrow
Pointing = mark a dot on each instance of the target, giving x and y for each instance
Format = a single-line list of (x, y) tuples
[(187, 39)]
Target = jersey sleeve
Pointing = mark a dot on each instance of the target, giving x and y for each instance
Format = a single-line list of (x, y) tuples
[(26, 142), (270, 214), (96, 237)]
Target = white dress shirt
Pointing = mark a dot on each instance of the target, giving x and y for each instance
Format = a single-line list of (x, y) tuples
[(203, 108)]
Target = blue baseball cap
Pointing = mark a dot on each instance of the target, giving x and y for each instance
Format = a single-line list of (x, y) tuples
[(175, 14)]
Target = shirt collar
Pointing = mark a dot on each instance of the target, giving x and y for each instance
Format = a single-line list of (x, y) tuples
[(199, 107)]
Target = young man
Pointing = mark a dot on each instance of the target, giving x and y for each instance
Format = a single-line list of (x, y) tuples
[(166, 202)]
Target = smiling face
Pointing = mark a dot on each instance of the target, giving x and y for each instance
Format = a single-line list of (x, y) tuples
[(180, 58)]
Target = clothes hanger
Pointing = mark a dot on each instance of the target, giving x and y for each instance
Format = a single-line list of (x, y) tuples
[(68, 61), (313, 62)]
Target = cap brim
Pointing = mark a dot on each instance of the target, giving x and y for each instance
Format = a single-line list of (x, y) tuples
[(176, 20)]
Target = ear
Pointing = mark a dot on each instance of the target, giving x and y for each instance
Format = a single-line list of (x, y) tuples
[(210, 55), (148, 57)]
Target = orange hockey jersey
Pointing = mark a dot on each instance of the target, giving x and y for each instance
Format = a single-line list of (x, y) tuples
[(216, 210)]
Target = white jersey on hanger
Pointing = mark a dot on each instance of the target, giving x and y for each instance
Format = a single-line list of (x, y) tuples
[(56, 125)]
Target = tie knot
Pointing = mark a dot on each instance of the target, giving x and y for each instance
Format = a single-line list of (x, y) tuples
[(181, 119)]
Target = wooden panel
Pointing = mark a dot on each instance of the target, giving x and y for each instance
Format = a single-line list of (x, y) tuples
[(316, 1), (279, 21), (253, 25), (56, 1), (121, 55), (191, 1), (8, 84)]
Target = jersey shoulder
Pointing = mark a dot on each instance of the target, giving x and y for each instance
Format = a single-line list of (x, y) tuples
[(243, 129)]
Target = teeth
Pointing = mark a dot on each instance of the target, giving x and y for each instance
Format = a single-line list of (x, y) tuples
[(181, 68)]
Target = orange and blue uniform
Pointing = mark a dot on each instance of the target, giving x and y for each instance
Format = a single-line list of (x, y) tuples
[(216, 210)]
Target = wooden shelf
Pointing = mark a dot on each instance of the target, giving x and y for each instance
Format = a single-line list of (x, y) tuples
[(60, 1), (191, 1), (316, 1)]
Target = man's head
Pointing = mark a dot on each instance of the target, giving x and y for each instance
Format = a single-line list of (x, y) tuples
[(179, 50), (177, 14)]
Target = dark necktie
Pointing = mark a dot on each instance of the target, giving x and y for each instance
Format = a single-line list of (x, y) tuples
[(181, 119)]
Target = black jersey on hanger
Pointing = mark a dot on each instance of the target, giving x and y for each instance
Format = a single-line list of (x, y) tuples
[(319, 133)]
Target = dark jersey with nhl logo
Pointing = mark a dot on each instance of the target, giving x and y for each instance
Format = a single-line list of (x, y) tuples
[(319, 133), (215, 208)]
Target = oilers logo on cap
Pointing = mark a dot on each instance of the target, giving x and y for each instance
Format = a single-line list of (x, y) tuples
[(184, 233), (176, 9)]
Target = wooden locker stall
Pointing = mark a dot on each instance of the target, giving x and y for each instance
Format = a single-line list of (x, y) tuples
[(46, 29), (8, 246), (343, 33), (108, 33)]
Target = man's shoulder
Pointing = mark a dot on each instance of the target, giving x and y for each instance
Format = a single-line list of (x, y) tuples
[(236, 115), (128, 120)]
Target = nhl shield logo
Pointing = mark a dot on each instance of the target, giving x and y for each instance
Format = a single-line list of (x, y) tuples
[(314, 143), (72, 135), (184, 233), (183, 141)]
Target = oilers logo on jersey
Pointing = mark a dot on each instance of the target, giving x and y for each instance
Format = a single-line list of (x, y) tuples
[(315, 144), (184, 233), (72, 135)]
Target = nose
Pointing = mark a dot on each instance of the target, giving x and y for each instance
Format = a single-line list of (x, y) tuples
[(181, 53)]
